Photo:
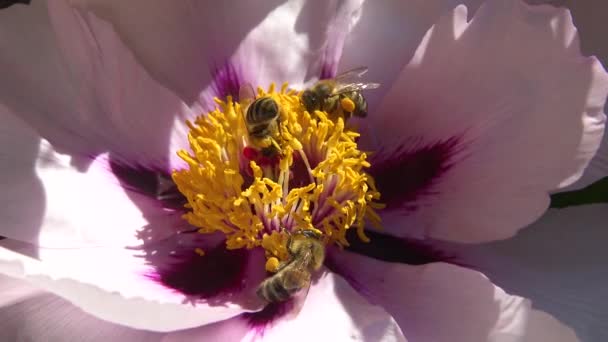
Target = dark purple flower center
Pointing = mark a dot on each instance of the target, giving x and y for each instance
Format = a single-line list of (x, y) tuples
[(218, 273), (402, 175), (408, 172)]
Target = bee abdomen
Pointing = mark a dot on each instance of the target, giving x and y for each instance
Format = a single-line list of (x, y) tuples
[(360, 104), (262, 110), (272, 290)]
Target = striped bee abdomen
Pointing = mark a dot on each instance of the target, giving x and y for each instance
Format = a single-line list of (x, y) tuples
[(262, 110)]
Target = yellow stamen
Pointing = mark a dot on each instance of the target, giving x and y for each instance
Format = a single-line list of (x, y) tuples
[(309, 174)]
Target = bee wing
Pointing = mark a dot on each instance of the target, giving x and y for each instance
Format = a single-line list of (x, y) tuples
[(349, 87), (297, 303), (351, 75), (246, 93)]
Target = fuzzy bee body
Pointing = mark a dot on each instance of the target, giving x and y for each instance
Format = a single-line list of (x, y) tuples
[(327, 95), (261, 117), (307, 254)]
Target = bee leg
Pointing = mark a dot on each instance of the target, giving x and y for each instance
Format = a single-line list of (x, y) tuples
[(289, 245), (276, 145)]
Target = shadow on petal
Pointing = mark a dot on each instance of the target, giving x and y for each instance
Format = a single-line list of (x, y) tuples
[(23, 200), (527, 124), (217, 278)]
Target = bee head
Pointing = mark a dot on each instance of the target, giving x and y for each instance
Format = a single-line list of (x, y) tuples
[(310, 101)]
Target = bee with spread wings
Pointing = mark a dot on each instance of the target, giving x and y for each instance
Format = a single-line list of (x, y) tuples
[(339, 96)]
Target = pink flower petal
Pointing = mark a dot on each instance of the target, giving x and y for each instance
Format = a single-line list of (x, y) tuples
[(76, 83), (441, 302), (386, 37), (54, 205), (590, 23), (54, 200), (591, 26), (44, 317), (269, 41), (499, 112), (117, 285), (333, 311), (559, 262), (336, 316), (597, 169), (14, 291)]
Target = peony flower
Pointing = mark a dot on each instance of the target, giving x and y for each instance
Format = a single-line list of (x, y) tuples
[(138, 206)]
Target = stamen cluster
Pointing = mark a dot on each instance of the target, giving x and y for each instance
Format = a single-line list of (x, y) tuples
[(316, 181)]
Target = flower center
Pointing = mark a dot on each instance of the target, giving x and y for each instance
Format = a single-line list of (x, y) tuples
[(257, 178)]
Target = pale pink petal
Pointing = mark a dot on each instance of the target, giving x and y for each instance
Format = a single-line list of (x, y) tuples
[(332, 311), (122, 285), (589, 20), (44, 317), (559, 262), (74, 81), (487, 118), (14, 291), (54, 200), (266, 41), (332, 307), (330, 316), (597, 169), (441, 302), (387, 36)]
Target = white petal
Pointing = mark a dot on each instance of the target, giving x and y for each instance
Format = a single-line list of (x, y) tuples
[(597, 169), (332, 311), (441, 302), (15, 291), (54, 200), (267, 41), (113, 284), (559, 262), (75, 82), (591, 27), (45, 317), (79, 222), (387, 36), (519, 109)]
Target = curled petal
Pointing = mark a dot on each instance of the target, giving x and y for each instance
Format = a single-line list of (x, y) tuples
[(487, 118), (54, 200), (597, 169), (118, 285), (558, 262), (591, 28), (386, 37), (333, 311), (14, 291), (442, 302), (41, 316)]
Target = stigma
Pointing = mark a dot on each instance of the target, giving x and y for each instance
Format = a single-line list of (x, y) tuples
[(263, 167)]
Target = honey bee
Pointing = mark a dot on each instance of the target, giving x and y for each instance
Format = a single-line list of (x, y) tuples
[(262, 119), (328, 95), (307, 254)]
